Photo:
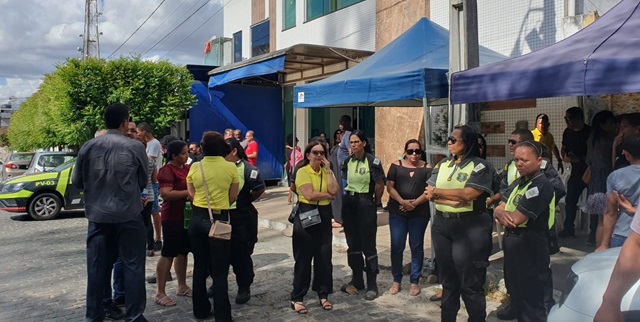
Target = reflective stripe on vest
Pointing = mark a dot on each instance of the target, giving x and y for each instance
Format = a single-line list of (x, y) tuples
[(451, 176), (240, 168), (514, 201)]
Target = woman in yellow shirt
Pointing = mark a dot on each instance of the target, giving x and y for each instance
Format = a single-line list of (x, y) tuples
[(211, 254), (316, 186)]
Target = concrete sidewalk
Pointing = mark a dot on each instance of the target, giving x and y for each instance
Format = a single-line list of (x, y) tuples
[(274, 211)]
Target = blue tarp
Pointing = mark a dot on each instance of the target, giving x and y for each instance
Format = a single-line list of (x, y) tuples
[(266, 67), (599, 59), (413, 66), (226, 106)]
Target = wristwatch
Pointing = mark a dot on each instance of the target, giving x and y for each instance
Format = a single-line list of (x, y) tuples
[(435, 195)]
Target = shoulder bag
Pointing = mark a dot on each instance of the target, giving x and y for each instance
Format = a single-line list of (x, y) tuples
[(312, 217), (219, 229)]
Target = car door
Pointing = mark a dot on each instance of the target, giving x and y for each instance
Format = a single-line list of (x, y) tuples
[(73, 197)]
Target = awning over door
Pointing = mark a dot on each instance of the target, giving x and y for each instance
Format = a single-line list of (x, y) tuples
[(298, 62)]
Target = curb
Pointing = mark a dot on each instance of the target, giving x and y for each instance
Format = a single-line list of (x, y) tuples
[(287, 228)]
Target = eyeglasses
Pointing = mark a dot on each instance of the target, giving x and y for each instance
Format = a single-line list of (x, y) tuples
[(452, 140), (414, 151), (354, 142), (317, 153), (567, 119), (512, 142)]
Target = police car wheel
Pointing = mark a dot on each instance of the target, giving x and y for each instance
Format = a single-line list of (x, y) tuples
[(45, 206)]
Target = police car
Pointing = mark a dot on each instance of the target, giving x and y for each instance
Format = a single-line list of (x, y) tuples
[(42, 195), (585, 286)]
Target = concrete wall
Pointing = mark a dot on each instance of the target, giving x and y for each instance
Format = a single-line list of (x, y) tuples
[(237, 17), (396, 125), (352, 27)]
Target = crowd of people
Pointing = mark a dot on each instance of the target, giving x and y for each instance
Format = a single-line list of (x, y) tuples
[(124, 171), (212, 184)]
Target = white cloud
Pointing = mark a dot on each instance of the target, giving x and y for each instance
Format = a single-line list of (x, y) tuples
[(18, 87), (36, 35)]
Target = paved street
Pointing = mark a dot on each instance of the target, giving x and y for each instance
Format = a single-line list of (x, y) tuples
[(43, 278)]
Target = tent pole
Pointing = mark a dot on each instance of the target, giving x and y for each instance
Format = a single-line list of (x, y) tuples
[(426, 113), (427, 126), (293, 138)]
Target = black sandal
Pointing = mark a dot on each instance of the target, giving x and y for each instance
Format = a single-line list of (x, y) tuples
[(303, 310), (326, 305)]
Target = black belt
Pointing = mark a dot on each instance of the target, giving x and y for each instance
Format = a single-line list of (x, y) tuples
[(449, 215), (213, 211), (359, 194)]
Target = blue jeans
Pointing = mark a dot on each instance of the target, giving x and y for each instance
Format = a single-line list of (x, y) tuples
[(118, 285), (399, 227), (617, 241), (106, 242)]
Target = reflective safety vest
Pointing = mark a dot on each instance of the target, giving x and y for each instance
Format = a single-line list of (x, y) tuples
[(240, 168), (514, 200), (452, 176)]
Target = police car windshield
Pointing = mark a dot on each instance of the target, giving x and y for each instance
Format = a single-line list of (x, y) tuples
[(64, 165)]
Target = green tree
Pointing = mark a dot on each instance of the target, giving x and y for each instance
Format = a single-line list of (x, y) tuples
[(67, 109)]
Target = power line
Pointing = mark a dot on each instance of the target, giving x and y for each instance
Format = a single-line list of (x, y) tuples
[(174, 29), (145, 21), (191, 34), (160, 26)]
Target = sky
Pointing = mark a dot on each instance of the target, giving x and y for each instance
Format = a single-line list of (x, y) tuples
[(36, 35)]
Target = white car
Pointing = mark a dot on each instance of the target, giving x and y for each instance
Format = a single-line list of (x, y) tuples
[(585, 286)]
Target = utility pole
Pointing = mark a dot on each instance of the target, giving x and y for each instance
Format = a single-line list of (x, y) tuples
[(463, 52), (91, 35)]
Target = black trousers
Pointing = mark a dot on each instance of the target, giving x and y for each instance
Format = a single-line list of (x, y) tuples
[(360, 229), (105, 242), (209, 255), (526, 265), (244, 236), (146, 219), (575, 186), (312, 244), (462, 247)]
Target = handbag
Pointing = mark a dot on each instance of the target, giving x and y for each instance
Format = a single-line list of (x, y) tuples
[(294, 211), (219, 229), (311, 217)]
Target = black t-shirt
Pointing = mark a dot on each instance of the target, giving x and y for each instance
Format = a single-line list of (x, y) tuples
[(575, 145), (408, 187)]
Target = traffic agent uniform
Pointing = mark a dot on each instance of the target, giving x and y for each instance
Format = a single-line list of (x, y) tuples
[(360, 217), (244, 221), (462, 236), (526, 247), (508, 183)]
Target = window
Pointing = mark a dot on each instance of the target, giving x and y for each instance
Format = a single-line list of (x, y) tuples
[(289, 15), (260, 38), (237, 47), (319, 8)]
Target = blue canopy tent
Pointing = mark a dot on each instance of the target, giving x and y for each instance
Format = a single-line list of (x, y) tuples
[(411, 71), (599, 59)]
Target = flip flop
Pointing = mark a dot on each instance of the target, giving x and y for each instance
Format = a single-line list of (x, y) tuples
[(165, 301), (414, 289), (395, 289), (187, 293)]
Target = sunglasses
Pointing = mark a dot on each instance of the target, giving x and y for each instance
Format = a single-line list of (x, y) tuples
[(317, 153), (452, 140), (512, 142), (414, 151)]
